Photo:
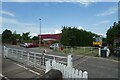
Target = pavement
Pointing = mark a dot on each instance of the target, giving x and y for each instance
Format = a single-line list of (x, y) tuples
[(97, 67), (14, 70)]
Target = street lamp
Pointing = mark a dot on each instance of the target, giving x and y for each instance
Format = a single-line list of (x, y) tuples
[(40, 34)]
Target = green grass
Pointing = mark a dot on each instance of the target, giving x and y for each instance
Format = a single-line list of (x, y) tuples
[(87, 51)]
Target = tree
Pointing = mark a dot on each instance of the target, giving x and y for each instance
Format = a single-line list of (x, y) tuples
[(35, 38), (7, 36), (113, 32), (26, 37), (68, 37), (76, 37), (15, 37)]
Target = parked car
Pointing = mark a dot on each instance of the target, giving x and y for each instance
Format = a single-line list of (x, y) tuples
[(29, 45), (33, 45), (23, 44), (56, 46)]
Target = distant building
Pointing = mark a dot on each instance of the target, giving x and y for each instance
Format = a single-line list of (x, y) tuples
[(48, 39)]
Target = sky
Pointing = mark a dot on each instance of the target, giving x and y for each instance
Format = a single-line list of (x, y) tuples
[(96, 17)]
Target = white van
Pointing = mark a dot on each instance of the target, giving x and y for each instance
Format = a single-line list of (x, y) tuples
[(55, 46)]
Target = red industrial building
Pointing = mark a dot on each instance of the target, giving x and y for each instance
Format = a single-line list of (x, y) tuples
[(48, 39)]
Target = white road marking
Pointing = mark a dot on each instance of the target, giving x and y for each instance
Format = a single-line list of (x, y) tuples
[(3, 76), (27, 69)]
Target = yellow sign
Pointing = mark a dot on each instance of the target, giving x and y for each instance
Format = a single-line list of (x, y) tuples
[(97, 43)]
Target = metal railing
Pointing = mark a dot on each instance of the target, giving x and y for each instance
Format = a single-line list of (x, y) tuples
[(32, 59), (88, 51)]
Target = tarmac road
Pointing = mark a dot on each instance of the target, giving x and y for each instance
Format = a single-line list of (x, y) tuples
[(98, 67)]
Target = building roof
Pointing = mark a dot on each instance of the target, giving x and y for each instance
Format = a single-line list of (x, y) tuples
[(50, 36)]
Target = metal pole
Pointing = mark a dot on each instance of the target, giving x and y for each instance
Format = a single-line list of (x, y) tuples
[(40, 34)]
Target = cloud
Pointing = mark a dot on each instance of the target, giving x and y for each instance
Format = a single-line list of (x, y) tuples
[(80, 27), (57, 31), (9, 21), (7, 13), (60, 1), (33, 34), (110, 11), (14, 21), (21, 27), (105, 21), (102, 22), (98, 33), (18, 0), (85, 3)]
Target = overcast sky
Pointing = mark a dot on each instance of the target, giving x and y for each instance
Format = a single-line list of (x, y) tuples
[(96, 17)]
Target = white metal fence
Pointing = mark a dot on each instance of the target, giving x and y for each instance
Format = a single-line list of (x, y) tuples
[(29, 58), (67, 70)]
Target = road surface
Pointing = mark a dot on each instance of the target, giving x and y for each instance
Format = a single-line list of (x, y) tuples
[(98, 67)]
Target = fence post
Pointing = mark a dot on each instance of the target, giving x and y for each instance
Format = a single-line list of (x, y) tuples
[(99, 52), (85, 75), (28, 56), (76, 73), (80, 74), (54, 64), (71, 50), (34, 60), (65, 49), (4, 51), (11, 53), (44, 57), (69, 61), (92, 49), (73, 73), (64, 72), (48, 66)]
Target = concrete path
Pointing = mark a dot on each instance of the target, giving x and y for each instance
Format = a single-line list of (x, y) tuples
[(13, 70)]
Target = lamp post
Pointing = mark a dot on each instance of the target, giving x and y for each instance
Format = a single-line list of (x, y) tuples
[(40, 34)]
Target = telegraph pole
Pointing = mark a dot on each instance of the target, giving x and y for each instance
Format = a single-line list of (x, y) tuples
[(40, 34)]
